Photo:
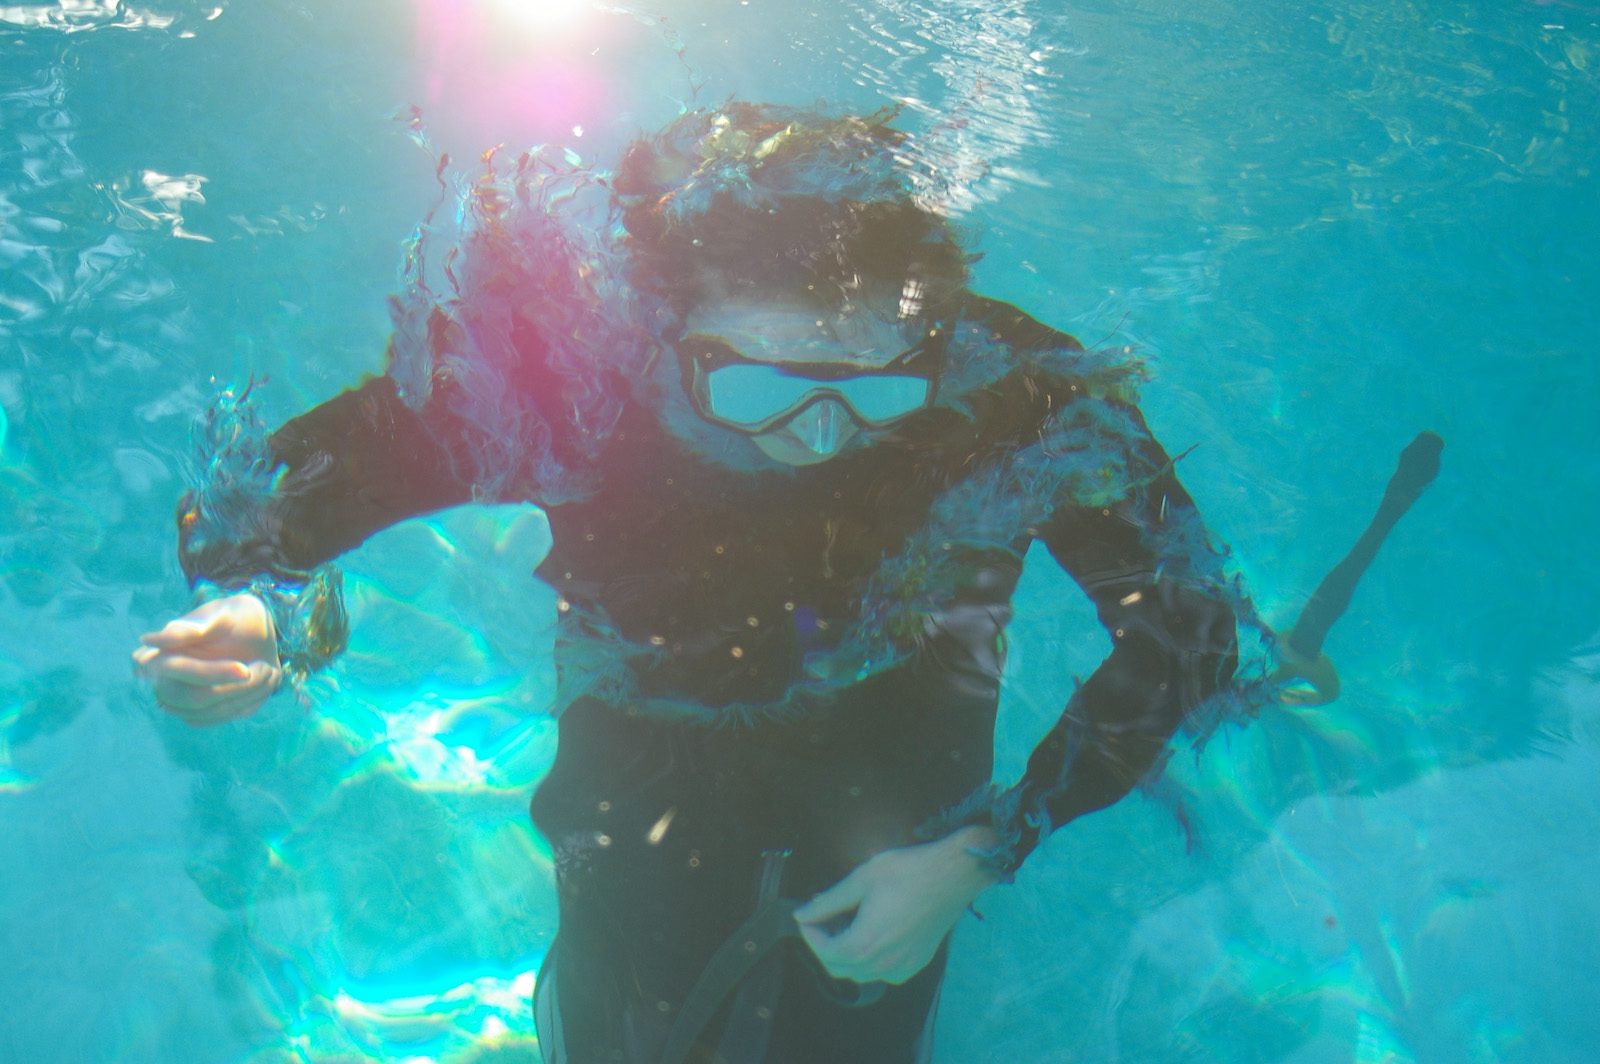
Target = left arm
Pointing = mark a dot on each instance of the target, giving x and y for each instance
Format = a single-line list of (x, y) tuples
[(1144, 560)]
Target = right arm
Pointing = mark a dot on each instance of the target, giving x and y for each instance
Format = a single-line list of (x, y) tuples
[(512, 354), (345, 470), (355, 465)]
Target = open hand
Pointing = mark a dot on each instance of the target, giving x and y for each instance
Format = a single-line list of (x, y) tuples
[(904, 902), (215, 664)]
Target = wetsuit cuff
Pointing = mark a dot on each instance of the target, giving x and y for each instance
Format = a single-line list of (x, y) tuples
[(1016, 833)]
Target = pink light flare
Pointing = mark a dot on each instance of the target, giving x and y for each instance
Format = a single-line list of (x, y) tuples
[(513, 72)]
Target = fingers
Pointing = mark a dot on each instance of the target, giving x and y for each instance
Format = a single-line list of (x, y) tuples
[(837, 953), (861, 955), (210, 709), (845, 952), (259, 675), (219, 662), (900, 904), (204, 692), (838, 900), (827, 951), (196, 672), (175, 634)]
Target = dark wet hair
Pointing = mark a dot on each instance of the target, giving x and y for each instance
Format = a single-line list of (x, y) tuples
[(784, 202)]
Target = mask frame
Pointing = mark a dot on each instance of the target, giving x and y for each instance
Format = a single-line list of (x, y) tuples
[(699, 356)]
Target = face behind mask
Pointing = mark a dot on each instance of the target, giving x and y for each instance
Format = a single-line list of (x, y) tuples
[(802, 386)]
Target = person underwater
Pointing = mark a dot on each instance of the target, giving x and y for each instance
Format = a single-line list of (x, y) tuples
[(792, 467)]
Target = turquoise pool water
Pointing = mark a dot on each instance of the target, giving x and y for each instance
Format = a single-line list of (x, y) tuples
[(1332, 224)]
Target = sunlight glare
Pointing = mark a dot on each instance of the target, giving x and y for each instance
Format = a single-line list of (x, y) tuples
[(512, 71), (543, 15)]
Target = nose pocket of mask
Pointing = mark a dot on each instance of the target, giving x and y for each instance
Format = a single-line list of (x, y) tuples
[(823, 427)]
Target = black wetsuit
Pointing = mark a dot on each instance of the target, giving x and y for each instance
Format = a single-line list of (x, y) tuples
[(715, 588)]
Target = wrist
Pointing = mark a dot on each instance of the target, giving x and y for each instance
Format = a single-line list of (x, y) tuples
[(974, 843), (975, 836)]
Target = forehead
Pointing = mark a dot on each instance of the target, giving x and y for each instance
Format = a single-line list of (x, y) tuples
[(791, 330)]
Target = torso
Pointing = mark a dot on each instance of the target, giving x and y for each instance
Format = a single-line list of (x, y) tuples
[(730, 587)]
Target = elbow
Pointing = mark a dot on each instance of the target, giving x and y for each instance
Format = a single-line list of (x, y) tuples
[(1205, 634), (1176, 645), (1191, 638), (1208, 624), (1182, 620)]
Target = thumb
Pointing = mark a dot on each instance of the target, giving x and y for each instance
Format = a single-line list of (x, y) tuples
[(262, 675), (839, 899)]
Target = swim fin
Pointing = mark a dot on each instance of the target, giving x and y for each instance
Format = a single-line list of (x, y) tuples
[(1304, 675)]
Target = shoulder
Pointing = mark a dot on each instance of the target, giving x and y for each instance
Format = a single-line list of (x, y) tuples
[(1009, 373), (1006, 324)]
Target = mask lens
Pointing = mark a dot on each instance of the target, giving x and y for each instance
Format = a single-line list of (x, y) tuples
[(749, 394), (878, 399)]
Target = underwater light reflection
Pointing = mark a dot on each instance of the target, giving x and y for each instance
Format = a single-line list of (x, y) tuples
[(453, 1025), (424, 747)]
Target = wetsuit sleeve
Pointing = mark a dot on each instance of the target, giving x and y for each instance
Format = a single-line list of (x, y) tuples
[(318, 487), (351, 467), (1145, 561)]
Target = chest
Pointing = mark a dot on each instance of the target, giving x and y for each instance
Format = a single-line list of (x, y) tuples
[(671, 536)]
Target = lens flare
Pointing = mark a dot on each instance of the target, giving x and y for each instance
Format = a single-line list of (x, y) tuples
[(542, 15), (511, 71)]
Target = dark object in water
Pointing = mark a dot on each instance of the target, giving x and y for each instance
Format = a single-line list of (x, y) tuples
[(1301, 661)]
